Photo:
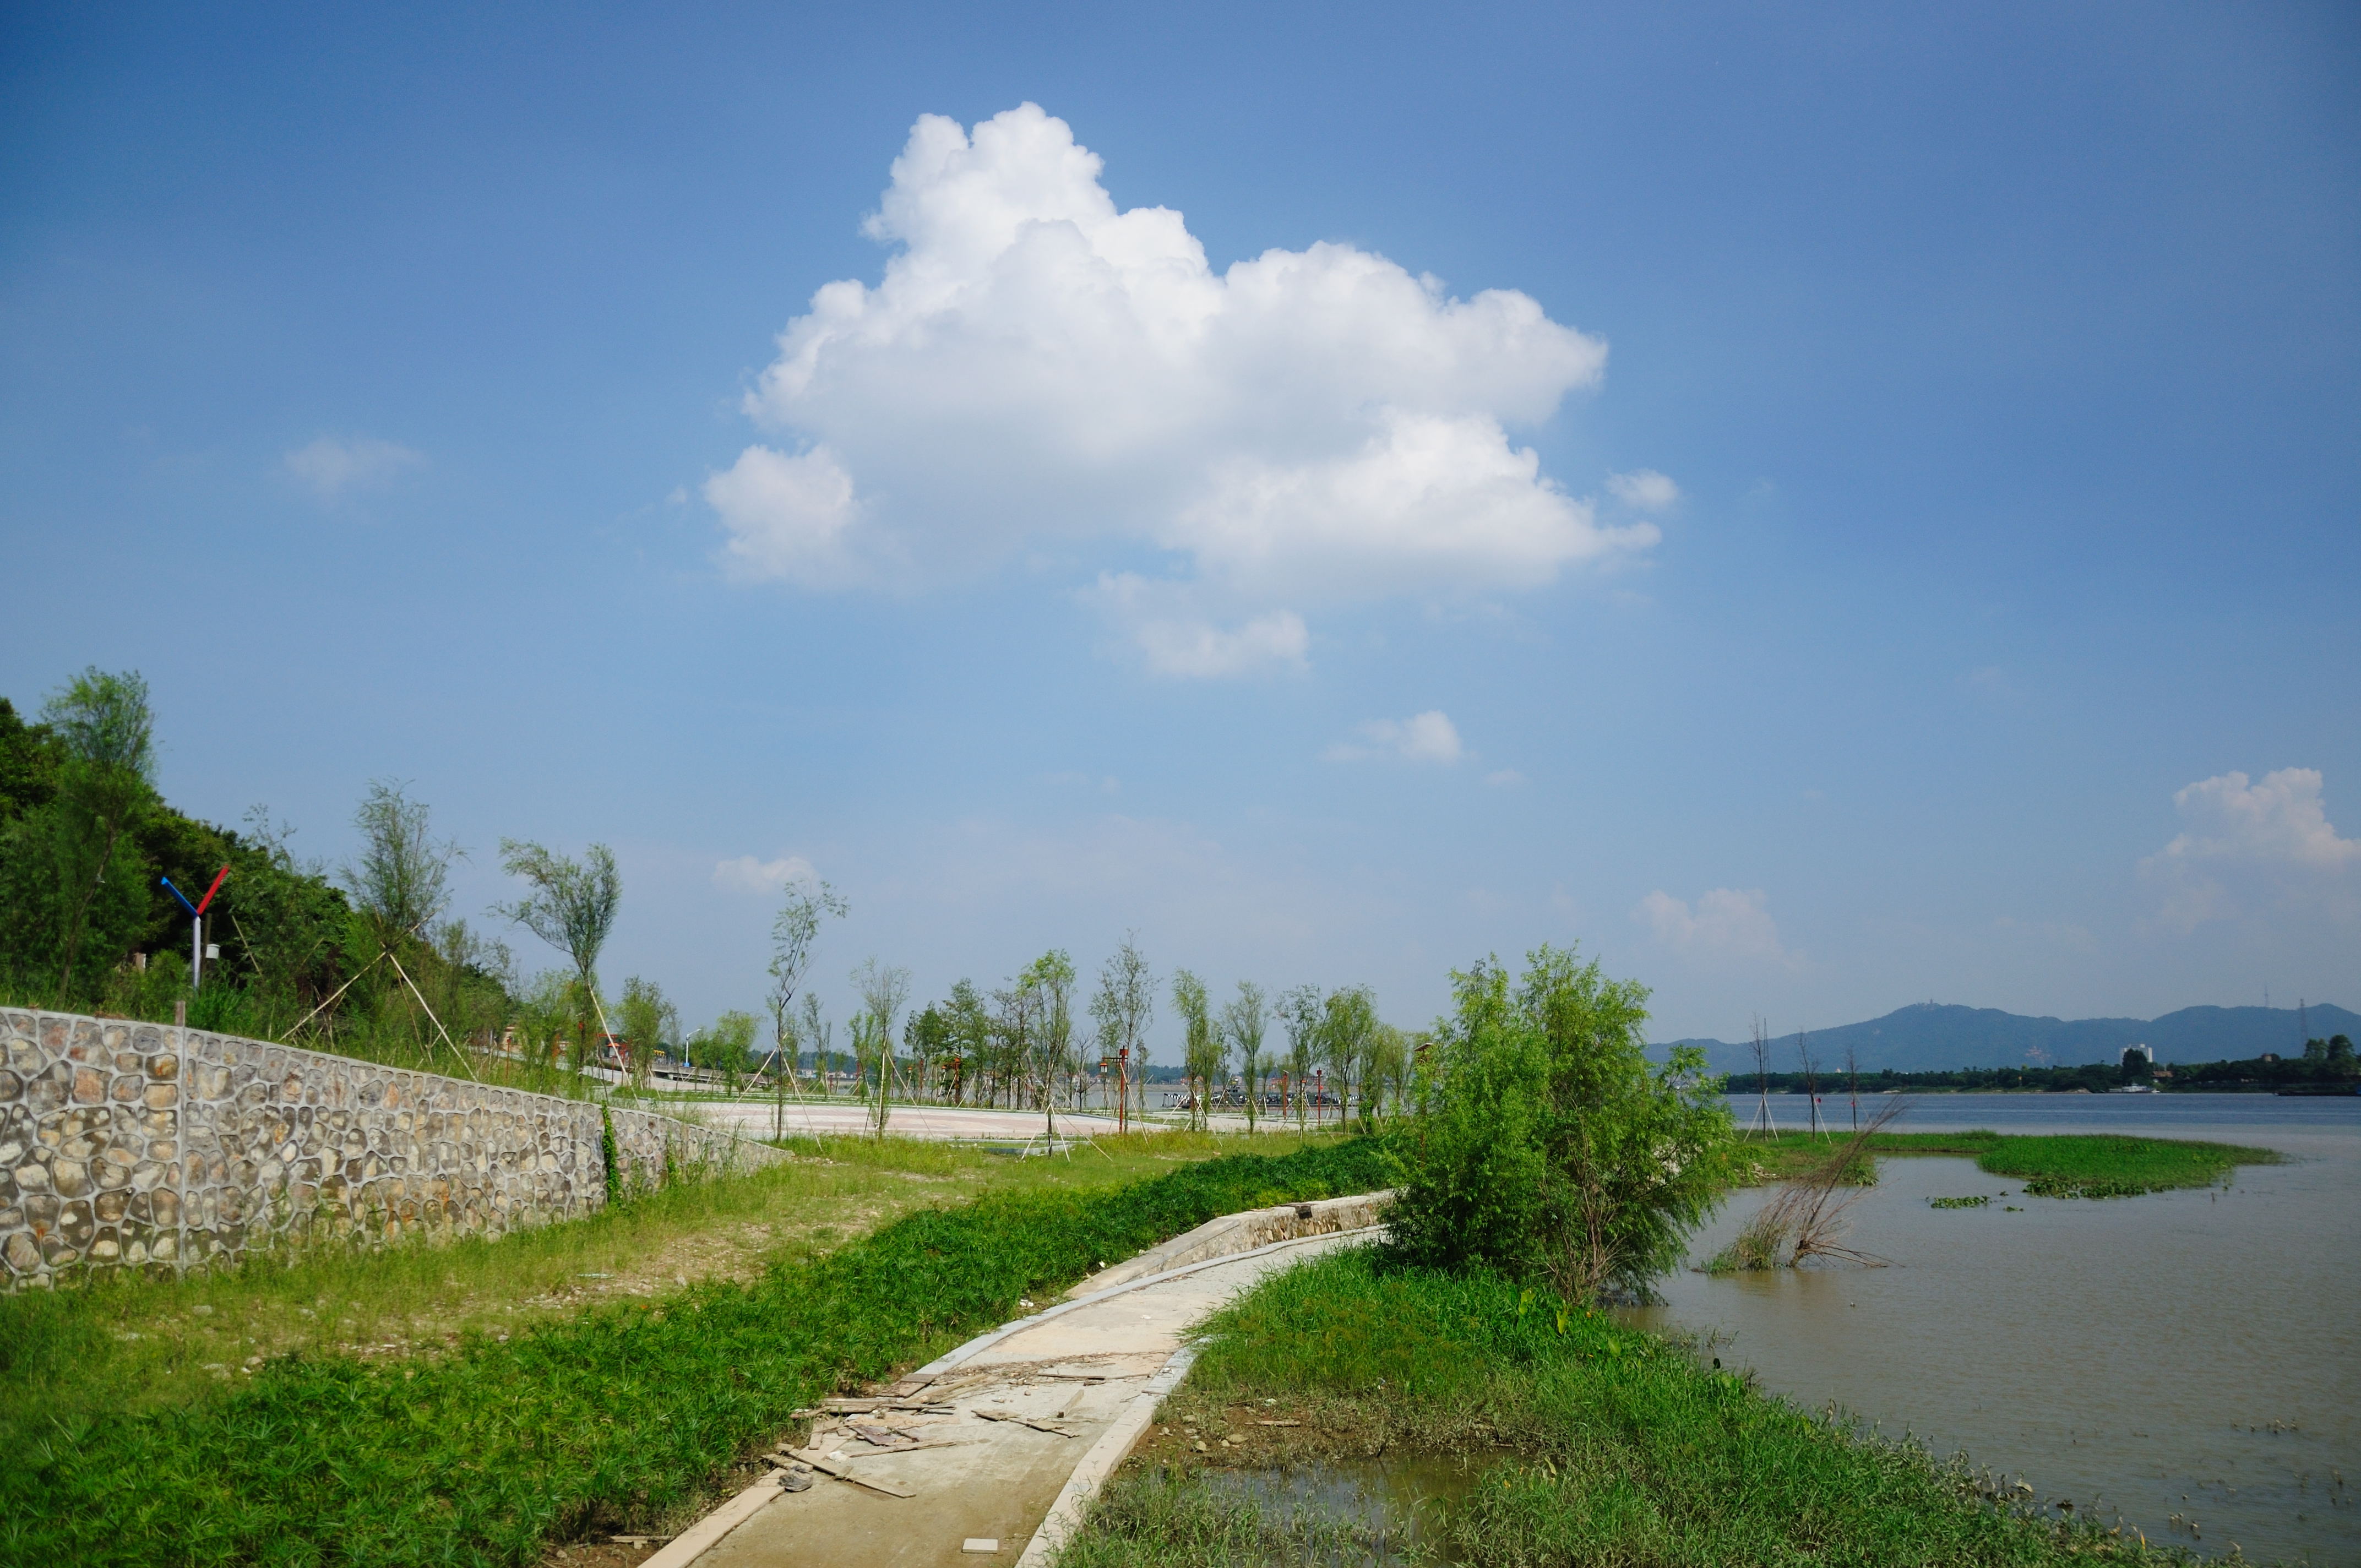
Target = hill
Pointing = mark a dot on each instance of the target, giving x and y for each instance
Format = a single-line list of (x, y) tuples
[(1929, 1036)]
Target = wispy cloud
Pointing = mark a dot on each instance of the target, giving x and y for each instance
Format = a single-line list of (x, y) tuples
[(1725, 923), (334, 465), (1643, 489), (748, 874), (1428, 737)]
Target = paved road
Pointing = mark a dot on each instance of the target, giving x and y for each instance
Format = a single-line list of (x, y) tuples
[(1086, 1370)]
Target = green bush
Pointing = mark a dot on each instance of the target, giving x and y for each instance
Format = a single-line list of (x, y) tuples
[(1550, 1146), (608, 1420)]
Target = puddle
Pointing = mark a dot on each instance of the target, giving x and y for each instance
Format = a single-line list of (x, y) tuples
[(1391, 1510)]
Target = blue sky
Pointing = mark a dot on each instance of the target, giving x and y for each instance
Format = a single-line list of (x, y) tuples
[(1827, 509)]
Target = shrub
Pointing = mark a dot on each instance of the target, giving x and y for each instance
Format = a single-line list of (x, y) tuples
[(1550, 1146)]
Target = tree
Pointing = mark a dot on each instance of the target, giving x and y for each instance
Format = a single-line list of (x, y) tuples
[(571, 905), (1349, 1028), (883, 990), (818, 1033), (1811, 1078), (1761, 1049), (792, 937), (1243, 1020), (1123, 1008), (970, 1036), (650, 1024), (1299, 1011), (1554, 1149), (728, 1046), (927, 1039), (1049, 980), (1015, 1021), (1386, 1087), (1201, 1048), (90, 890), (401, 878)]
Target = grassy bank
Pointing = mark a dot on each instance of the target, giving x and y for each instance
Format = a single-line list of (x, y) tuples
[(2050, 1164), (130, 1345), (1593, 1444), (616, 1415)]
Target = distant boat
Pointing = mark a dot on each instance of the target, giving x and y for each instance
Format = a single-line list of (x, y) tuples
[(2135, 1089)]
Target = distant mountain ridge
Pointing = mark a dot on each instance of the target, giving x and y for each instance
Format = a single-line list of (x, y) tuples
[(1928, 1036)]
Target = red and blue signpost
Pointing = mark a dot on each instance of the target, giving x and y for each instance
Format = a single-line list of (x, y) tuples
[(196, 923)]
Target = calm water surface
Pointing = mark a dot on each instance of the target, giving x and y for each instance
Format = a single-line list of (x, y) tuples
[(2183, 1353)]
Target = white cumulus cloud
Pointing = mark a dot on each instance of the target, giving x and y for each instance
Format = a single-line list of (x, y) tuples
[(1643, 489), (2244, 845), (787, 516), (1302, 427), (1727, 923), (1428, 737), (335, 464), (747, 875)]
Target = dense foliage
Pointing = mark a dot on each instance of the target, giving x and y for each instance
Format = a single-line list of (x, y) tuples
[(603, 1421), (1550, 1145)]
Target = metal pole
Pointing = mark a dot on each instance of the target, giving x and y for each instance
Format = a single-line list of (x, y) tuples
[(197, 952)]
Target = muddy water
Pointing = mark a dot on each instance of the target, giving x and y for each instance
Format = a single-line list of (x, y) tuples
[(2194, 1354), (1393, 1507)]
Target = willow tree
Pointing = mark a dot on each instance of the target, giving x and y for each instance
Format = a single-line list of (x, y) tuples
[(883, 990), (1050, 980), (1553, 1147), (570, 905), (1201, 1050), (793, 935), (1123, 1007), (1243, 1020), (1348, 1033), (400, 882), (1298, 1009)]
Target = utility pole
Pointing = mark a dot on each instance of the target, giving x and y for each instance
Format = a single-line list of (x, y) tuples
[(1122, 1090)]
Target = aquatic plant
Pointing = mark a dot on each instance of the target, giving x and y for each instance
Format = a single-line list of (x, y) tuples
[(1597, 1443)]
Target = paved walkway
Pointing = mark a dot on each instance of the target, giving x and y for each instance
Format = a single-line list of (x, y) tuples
[(1009, 1428), (848, 1118)]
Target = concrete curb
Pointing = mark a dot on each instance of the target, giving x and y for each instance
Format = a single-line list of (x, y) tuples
[(1113, 1446)]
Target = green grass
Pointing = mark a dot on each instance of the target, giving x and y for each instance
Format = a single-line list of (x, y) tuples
[(613, 1417), (125, 1344), (2050, 1164), (1598, 1444)]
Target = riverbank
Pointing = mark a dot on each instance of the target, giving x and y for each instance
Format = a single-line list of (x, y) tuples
[(615, 1415), (1582, 1441)]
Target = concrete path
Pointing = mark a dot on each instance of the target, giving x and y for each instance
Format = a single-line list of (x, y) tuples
[(1014, 1429), (754, 1118)]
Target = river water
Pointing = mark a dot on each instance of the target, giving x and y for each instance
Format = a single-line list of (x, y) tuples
[(2183, 1354)]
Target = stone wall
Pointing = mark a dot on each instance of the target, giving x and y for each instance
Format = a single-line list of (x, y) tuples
[(127, 1144)]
